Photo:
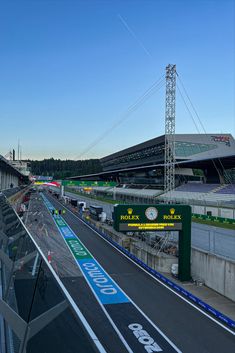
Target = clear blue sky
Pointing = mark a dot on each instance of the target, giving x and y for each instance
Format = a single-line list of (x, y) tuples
[(70, 69)]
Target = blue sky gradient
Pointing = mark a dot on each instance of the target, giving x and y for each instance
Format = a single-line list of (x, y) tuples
[(70, 69)]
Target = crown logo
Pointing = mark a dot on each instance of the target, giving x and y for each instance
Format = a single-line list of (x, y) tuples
[(129, 210), (172, 211)]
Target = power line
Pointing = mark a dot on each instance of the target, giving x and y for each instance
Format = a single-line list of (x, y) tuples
[(134, 36), (189, 111), (156, 86), (141, 100), (200, 122)]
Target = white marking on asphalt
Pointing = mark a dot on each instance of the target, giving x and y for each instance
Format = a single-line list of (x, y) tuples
[(111, 321), (156, 279), (98, 300), (85, 323)]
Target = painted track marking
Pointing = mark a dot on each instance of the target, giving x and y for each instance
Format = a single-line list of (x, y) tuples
[(147, 272)]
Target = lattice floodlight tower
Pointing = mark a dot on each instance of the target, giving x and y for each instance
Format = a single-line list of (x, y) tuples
[(169, 168)]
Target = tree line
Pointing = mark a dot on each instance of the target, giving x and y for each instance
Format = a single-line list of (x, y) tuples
[(61, 169)]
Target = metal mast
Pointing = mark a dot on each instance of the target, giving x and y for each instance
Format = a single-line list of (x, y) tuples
[(169, 169)]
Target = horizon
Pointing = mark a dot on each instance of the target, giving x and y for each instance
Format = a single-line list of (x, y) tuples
[(73, 72), (84, 159)]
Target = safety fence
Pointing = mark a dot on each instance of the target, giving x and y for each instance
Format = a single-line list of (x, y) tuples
[(36, 310)]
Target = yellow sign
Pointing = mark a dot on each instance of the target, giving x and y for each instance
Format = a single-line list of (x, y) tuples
[(172, 216), (148, 226), (130, 216), (87, 189)]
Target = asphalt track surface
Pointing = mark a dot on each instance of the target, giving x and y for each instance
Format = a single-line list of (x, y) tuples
[(47, 236), (136, 333), (186, 327)]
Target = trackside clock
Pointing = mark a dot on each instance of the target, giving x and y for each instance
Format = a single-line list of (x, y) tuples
[(151, 213)]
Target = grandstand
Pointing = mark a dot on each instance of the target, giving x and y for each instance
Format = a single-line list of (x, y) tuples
[(214, 193), (213, 154), (208, 158), (204, 170), (10, 177)]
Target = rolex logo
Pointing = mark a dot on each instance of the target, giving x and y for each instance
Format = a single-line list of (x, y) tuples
[(129, 216), (172, 211), (129, 210)]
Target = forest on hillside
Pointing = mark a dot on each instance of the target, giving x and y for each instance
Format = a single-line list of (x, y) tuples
[(61, 169)]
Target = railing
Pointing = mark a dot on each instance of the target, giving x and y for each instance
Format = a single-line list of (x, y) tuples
[(37, 314)]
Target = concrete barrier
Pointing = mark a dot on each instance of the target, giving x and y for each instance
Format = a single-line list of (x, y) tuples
[(171, 284), (161, 262), (217, 273)]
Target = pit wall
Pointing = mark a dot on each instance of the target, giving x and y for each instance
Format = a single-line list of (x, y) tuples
[(214, 211), (160, 262), (217, 273)]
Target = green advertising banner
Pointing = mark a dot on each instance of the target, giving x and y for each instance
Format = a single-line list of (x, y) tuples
[(129, 218), (82, 183), (140, 218), (214, 219), (78, 250)]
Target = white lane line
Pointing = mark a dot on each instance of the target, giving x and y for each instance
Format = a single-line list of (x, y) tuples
[(97, 298), (156, 279), (73, 305), (135, 305)]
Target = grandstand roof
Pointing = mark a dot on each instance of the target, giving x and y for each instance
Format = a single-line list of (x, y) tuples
[(138, 147), (5, 165), (198, 151), (227, 163)]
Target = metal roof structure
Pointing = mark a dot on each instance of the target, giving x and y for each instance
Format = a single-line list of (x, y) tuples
[(195, 151)]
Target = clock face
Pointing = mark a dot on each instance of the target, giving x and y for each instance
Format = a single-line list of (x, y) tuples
[(151, 213)]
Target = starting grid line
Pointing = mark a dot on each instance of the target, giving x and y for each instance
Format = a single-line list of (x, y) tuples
[(136, 331)]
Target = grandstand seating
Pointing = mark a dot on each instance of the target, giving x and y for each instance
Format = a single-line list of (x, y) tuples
[(197, 187), (212, 193), (227, 189), (209, 189), (181, 196)]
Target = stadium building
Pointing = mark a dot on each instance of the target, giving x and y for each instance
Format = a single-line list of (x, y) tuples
[(10, 176), (208, 158)]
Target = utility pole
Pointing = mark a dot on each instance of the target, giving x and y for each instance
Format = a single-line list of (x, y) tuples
[(18, 150), (169, 168)]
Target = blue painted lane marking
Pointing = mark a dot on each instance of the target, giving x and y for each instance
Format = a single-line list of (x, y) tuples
[(101, 283), (67, 233), (105, 288), (188, 295)]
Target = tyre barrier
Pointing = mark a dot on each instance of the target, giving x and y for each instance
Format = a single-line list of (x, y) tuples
[(171, 284)]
